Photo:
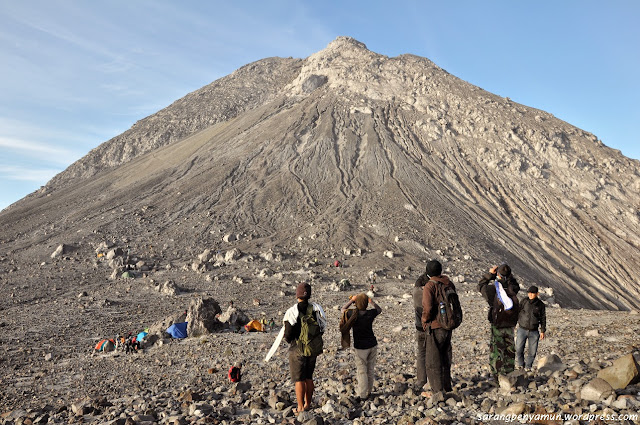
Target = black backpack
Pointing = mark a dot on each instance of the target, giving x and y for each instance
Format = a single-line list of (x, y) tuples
[(449, 314)]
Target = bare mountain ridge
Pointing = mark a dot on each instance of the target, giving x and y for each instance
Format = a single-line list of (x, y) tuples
[(244, 89), (349, 148)]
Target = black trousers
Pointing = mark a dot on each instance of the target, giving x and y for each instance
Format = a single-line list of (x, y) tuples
[(438, 359), (421, 358)]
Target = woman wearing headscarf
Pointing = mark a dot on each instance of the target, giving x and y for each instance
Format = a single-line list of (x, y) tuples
[(365, 344)]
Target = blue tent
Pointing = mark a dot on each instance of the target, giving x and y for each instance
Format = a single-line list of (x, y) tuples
[(178, 330), (141, 336)]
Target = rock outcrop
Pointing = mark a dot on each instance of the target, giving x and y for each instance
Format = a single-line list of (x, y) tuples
[(202, 317)]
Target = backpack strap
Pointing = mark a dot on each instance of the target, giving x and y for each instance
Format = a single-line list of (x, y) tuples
[(309, 311)]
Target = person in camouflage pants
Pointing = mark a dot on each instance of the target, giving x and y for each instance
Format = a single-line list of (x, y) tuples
[(503, 318), (502, 352)]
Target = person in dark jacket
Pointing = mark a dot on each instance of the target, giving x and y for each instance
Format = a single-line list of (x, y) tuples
[(499, 289), (421, 372), (364, 340), (532, 316), (302, 367), (438, 340)]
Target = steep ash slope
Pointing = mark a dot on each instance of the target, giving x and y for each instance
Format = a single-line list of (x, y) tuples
[(349, 148)]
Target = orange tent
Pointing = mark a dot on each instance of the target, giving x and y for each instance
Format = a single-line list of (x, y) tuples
[(254, 326)]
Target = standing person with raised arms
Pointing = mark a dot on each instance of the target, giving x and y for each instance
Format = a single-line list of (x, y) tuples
[(364, 340), (499, 288)]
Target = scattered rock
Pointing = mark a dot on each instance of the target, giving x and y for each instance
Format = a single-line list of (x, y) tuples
[(622, 373), (168, 288), (513, 409), (229, 238), (113, 253), (234, 318), (342, 285), (61, 250), (205, 256), (550, 362), (232, 255), (596, 390)]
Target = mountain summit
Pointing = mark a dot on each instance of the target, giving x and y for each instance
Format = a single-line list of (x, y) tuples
[(352, 151)]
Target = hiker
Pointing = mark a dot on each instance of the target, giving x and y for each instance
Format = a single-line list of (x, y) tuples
[(532, 316), (421, 372), (499, 289), (131, 343), (364, 341), (304, 324), (438, 353)]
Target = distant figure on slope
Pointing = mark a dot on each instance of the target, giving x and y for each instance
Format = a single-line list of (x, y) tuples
[(304, 324), (131, 344), (532, 316), (499, 289), (364, 340)]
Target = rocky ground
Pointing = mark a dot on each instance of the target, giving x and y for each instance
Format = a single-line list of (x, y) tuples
[(55, 311)]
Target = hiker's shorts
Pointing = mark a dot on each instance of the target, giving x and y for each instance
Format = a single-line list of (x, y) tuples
[(301, 367)]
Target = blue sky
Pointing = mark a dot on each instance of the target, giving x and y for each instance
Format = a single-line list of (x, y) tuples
[(73, 74)]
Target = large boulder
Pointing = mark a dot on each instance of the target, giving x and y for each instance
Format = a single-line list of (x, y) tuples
[(622, 373), (596, 390), (201, 316), (234, 318)]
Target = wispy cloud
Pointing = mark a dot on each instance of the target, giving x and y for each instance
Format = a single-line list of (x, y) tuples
[(28, 174), (39, 151)]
